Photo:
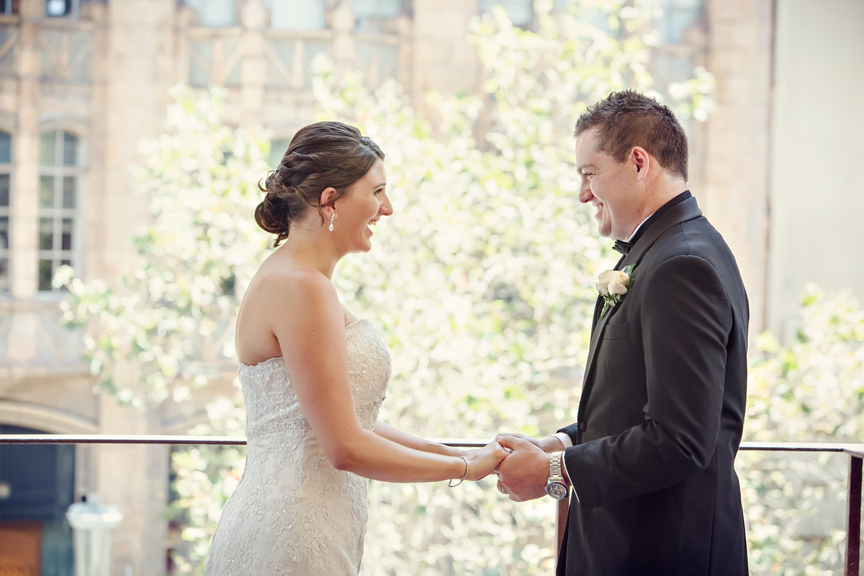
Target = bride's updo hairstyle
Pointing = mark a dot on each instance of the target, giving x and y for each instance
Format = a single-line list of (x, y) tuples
[(322, 155)]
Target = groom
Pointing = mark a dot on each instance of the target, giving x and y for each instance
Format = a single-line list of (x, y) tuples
[(650, 460)]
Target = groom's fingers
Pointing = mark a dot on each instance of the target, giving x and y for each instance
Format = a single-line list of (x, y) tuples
[(508, 435), (512, 443)]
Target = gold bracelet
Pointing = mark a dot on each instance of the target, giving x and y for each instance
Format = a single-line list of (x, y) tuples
[(464, 476)]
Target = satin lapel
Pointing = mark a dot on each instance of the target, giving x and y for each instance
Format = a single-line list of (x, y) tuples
[(686, 210)]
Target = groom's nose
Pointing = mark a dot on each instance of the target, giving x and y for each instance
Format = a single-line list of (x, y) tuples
[(585, 194)]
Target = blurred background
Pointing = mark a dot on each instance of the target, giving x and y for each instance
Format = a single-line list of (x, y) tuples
[(132, 137)]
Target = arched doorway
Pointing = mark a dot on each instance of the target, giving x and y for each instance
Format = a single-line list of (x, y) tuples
[(37, 484)]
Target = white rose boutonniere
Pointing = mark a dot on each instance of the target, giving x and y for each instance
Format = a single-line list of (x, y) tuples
[(613, 286)]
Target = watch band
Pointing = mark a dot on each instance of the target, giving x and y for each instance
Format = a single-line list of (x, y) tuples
[(555, 465), (555, 486)]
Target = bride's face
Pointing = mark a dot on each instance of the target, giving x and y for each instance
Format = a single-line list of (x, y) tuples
[(357, 214)]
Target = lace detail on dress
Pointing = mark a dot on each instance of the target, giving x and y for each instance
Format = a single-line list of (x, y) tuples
[(292, 512)]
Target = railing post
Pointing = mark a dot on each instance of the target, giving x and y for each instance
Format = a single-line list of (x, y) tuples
[(561, 523), (853, 517)]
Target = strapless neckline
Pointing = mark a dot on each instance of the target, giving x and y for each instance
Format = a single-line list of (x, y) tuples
[(276, 359)]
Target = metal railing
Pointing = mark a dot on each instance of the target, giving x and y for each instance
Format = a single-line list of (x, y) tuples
[(853, 499)]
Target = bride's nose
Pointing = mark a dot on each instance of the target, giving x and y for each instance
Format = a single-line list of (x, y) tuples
[(386, 209)]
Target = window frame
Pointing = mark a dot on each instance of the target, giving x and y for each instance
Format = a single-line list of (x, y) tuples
[(57, 213), (9, 7)]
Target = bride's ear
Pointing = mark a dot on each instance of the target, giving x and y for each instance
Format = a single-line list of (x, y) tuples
[(327, 198)]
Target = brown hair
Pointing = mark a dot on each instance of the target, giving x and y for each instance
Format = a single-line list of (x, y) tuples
[(627, 119), (321, 155)]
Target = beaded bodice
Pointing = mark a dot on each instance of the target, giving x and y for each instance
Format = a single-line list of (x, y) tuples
[(271, 403)]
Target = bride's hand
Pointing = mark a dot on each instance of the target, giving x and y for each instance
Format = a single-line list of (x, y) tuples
[(483, 461)]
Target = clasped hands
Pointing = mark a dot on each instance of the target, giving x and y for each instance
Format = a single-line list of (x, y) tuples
[(521, 463)]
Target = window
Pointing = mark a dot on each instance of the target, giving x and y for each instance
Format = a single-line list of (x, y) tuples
[(59, 8), (9, 6), (677, 15), (520, 12), (59, 187), (376, 8), (297, 14), (215, 13), (376, 16), (5, 178)]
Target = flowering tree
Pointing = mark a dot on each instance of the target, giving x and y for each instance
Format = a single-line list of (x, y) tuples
[(481, 283), (811, 390)]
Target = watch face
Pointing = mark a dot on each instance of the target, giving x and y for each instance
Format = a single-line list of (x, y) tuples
[(556, 490)]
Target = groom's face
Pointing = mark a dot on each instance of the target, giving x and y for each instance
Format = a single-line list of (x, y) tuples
[(609, 186)]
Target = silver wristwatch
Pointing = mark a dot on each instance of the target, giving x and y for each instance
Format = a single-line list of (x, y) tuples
[(555, 486)]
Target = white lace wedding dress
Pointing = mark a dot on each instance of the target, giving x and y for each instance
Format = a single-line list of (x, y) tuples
[(292, 512)]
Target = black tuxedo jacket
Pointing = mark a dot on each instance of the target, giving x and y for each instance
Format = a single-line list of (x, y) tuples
[(661, 414)]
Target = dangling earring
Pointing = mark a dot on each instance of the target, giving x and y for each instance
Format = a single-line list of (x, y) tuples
[(332, 215)]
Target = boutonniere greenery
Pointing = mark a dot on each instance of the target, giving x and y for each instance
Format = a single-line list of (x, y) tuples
[(613, 286)]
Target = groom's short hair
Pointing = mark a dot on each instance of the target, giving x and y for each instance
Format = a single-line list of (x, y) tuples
[(627, 119)]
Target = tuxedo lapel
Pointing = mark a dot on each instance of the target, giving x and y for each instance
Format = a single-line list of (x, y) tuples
[(686, 210)]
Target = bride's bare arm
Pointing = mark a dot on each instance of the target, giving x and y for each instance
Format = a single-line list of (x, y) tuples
[(405, 439), (310, 327)]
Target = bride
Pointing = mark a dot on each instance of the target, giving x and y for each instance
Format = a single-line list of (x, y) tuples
[(314, 376)]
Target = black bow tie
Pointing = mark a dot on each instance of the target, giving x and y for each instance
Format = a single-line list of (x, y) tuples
[(622, 246)]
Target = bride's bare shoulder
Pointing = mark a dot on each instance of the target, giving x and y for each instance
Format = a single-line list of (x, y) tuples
[(296, 285)]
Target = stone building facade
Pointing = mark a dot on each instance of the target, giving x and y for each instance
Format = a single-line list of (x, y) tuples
[(82, 82)]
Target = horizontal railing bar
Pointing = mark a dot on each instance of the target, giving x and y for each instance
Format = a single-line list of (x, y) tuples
[(118, 439), (856, 450)]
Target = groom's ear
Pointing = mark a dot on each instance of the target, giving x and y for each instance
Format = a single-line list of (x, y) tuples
[(641, 162)]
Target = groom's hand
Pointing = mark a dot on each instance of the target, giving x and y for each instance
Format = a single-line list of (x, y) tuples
[(523, 474), (548, 444)]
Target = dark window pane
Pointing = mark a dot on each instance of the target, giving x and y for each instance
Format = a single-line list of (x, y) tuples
[(46, 272), (4, 275), (66, 243), (5, 148), (4, 190), (9, 6), (46, 191), (4, 232), (70, 150), (69, 192), (46, 234), (46, 148), (66, 263)]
